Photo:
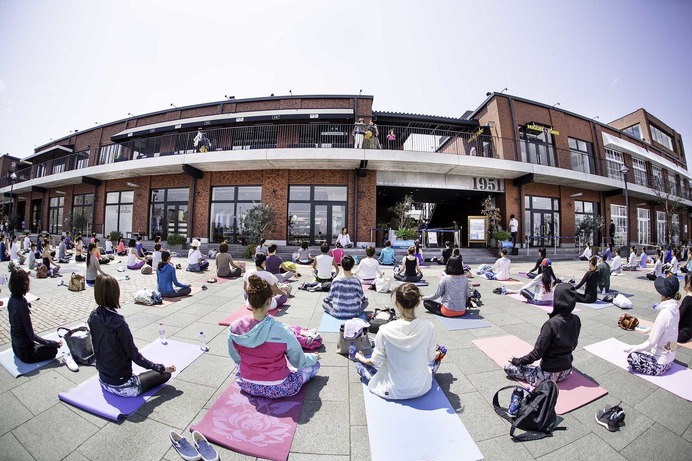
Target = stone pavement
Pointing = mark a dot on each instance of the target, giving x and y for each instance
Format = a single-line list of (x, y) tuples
[(35, 425)]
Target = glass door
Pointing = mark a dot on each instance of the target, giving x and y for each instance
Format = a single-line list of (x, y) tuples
[(321, 231), (338, 220), (176, 216), (35, 216)]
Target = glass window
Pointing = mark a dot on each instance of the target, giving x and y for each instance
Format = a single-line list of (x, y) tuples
[(537, 146), (542, 203), (542, 221), (661, 227), (634, 130), (661, 137), (316, 214), (581, 154), (657, 176), (675, 228), (299, 193), (643, 223), (250, 193), (178, 195), (672, 183), (639, 167), (169, 214), (615, 162), (55, 214), (82, 213), (582, 210), (119, 212), (108, 154), (618, 213), (229, 207), (331, 193)]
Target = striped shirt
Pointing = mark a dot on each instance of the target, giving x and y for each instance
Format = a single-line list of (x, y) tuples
[(346, 297)]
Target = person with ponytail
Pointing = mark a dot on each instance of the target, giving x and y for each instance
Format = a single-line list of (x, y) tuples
[(656, 355), (540, 290), (261, 347), (93, 266), (405, 354), (685, 324), (590, 283), (166, 278)]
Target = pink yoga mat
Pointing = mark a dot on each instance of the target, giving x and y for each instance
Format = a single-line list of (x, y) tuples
[(169, 301), (242, 312), (254, 426), (575, 391), (676, 380), (548, 308)]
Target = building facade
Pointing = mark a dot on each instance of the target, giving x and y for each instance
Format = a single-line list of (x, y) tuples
[(196, 171)]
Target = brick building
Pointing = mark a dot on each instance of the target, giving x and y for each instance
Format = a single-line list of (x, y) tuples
[(197, 170)]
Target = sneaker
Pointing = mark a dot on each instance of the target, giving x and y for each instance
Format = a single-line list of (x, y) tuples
[(205, 449), (612, 418), (69, 362), (204, 287), (183, 447), (178, 266)]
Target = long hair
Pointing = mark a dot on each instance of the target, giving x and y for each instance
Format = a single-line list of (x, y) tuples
[(547, 277), (89, 249)]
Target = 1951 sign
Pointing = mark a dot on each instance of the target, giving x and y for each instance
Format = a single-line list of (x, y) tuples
[(488, 184)]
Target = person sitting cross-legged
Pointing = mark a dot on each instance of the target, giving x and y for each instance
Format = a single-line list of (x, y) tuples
[(323, 265), (387, 256), (280, 294), (501, 268), (633, 261), (276, 265), (603, 275), (166, 278), (134, 261), (225, 267), (452, 296), (195, 261), (346, 298), (557, 340), (369, 268), (540, 290), (409, 270)]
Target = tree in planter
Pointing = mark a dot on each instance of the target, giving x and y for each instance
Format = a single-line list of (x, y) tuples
[(260, 221), (492, 212), (76, 223), (588, 226), (668, 199)]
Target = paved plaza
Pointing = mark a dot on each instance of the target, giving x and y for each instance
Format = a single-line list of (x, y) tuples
[(35, 425)]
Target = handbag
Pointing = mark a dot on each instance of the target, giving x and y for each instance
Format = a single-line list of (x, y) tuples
[(361, 341), (381, 317), (78, 341), (622, 302), (609, 297), (146, 269), (308, 339), (382, 285), (77, 282), (41, 272), (628, 322), (536, 415)]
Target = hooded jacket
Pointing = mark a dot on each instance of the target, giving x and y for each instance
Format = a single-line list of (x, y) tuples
[(166, 278), (402, 352), (261, 348), (662, 341), (558, 336), (114, 347)]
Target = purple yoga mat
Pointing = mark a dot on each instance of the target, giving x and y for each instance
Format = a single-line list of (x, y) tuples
[(254, 426), (91, 397), (547, 308)]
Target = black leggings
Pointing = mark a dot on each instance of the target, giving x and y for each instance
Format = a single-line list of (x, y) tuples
[(408, 278), (151, 379), (587, 298), (38, 353)]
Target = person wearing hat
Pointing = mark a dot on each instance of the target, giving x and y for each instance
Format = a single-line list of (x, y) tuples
[(557, 340), (195, 260), (540, 289), (358, 134), (655, 355)]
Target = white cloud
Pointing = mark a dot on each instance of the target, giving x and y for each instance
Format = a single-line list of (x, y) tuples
[(2, 85)]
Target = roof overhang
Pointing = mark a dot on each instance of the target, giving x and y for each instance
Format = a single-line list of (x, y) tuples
[(68, 149)]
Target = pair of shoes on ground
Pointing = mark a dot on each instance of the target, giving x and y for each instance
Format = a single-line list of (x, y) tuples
[(201, 450), (611, 417)]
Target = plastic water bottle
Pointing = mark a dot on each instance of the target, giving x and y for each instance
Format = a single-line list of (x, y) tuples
[(503, 290), (515, 403), (203, 342), (162, 334), (352, 351), (655, 307)]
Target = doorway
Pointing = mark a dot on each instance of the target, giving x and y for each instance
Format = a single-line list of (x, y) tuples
[(316, 214), (36, 215), (542, 221)]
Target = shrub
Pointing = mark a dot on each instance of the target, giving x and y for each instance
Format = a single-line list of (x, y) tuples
[(176, 239), (501, 235), (113, 236), (407, 233), (249, 251)]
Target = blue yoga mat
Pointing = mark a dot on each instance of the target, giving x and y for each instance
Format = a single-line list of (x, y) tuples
[(439, 433), (467, 321), (330, 324), (18, 368)]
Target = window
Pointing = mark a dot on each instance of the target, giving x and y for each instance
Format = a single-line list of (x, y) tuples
[(639, 171), (108, 154), (169, 213), (55, 213), (581, 211), (657, 177), (537, 146), (144, 148), (661, 138), (119, 212), (229, 205), (634, 130), (58, 166), (643, 223), (672, 183), (675, 228), (581, 153), (615, 162), (618, 213), (82, 213), (661, 227), (542, 220), (316, 214)]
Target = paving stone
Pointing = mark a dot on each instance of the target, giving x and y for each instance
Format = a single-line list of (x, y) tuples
[(356, 402), (480, 419), (667, 410), (322, 428), (503, 448), (208, 370), (150, 333), (330, 383), (176, 403), (658, 443), (489, 382), (75, 456), (360, 444), (473, 360), (41, 392), (191, 332), (585, 449), (454, 340), (14, 413), (179, 319), (141, 320), (85, 372), (575, 431), (635, 423), (54, 434), (12, 450), (626, 387)]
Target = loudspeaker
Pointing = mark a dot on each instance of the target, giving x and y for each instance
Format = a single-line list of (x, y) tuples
[(362, 172)]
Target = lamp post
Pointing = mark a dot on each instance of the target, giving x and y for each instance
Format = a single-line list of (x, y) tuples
[(624, 170), (13, 178)]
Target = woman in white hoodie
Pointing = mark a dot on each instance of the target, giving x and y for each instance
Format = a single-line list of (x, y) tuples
[(405, 354), (616, 263), (655, 355), (500, 270)]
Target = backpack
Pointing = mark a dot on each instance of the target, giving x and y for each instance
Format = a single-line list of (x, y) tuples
[(536, 416), (381, 317), (609, 297), (628, 322)]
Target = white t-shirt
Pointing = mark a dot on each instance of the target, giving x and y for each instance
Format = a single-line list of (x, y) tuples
[(616, 263), (368, 269), (109, 246), (193, 256), (155, 260), (324, 266), (131, 260), (27, 243), (587, 252), (501, 268), (343, 239), (513, 225), (14, 251)]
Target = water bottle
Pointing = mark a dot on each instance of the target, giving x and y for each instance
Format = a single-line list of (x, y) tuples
[(503, 290), (515, 403), (352, 351), (162, 334), (203, 342), (655, 307)]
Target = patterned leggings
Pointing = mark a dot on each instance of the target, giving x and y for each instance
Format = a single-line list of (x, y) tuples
[(644, 363), (290, 386), (535, 375)]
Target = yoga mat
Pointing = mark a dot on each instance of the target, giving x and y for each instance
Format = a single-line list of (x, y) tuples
[(330, 324), (511, 281), (30, 298), (475, 284), (676, 380), (439, 433), (242, 312), (169, 301), (254, 426), (90, 397), (650, 325), (546, 308), (576, 391), (468, 321), (597, 305), (421, 283), (17, 368)]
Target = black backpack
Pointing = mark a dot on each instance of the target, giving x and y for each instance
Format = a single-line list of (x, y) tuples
[(376, 323), (536, 416)]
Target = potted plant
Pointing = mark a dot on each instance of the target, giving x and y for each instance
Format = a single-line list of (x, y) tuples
[(176, 241), (503, 238)]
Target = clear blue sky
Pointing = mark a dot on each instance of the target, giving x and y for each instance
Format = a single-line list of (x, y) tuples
[(69, 64)]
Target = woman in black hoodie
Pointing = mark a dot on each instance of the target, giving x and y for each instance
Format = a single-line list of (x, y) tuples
[(115, 349), (556, 342)]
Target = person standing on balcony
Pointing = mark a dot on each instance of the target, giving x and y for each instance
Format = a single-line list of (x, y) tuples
[(513, 229), (358, 134), (201, 141), (391, 139), (372, 140)]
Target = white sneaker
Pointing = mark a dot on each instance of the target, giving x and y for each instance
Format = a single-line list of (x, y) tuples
[(69, 362)]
